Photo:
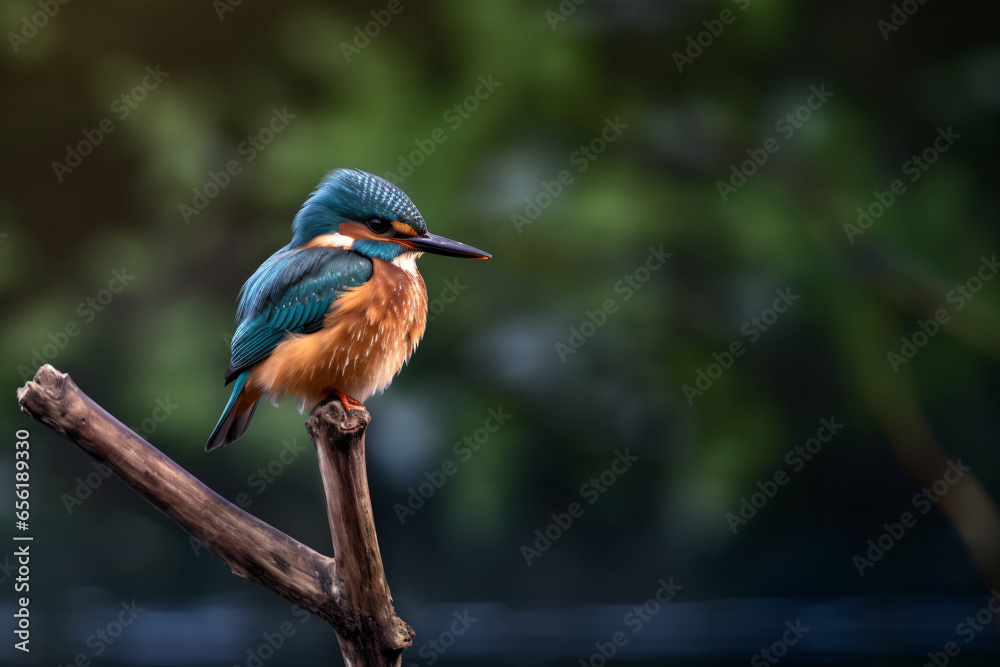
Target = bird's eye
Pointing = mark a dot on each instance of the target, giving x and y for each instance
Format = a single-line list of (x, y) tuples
[(378, 225)]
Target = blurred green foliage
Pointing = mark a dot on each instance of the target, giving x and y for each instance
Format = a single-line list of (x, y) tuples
[(165, 336)]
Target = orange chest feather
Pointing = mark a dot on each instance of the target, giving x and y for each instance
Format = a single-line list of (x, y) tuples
[(390, 307), (369, 333)]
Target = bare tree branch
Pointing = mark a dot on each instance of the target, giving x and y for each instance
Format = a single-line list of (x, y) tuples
[(350, 592)]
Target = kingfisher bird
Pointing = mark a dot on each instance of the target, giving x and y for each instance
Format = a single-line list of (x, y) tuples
[(338, 310)]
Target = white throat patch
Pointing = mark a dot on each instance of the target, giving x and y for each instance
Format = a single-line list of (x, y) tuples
[(407, 261), (331, 241)]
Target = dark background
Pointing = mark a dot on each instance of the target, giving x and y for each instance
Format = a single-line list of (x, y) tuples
[(164, 337)]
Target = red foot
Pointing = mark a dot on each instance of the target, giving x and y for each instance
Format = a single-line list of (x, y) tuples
[(348, 402)]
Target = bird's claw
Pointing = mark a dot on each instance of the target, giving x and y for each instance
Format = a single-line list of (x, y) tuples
[(348, 402)]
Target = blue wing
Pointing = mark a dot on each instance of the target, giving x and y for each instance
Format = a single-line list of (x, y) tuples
[(291, 293)]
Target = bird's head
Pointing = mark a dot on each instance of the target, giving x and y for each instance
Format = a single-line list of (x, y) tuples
[(371, 216)]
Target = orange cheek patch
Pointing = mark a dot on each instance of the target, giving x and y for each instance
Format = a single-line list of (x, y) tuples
[(356, 230), (403, 228), (349, 231)]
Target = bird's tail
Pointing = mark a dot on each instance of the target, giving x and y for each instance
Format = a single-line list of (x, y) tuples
[(236, 417)]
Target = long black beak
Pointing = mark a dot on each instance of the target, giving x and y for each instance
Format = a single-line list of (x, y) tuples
[(439, 245)]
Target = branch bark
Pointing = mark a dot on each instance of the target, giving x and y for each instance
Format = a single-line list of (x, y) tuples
[(349, 592)]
